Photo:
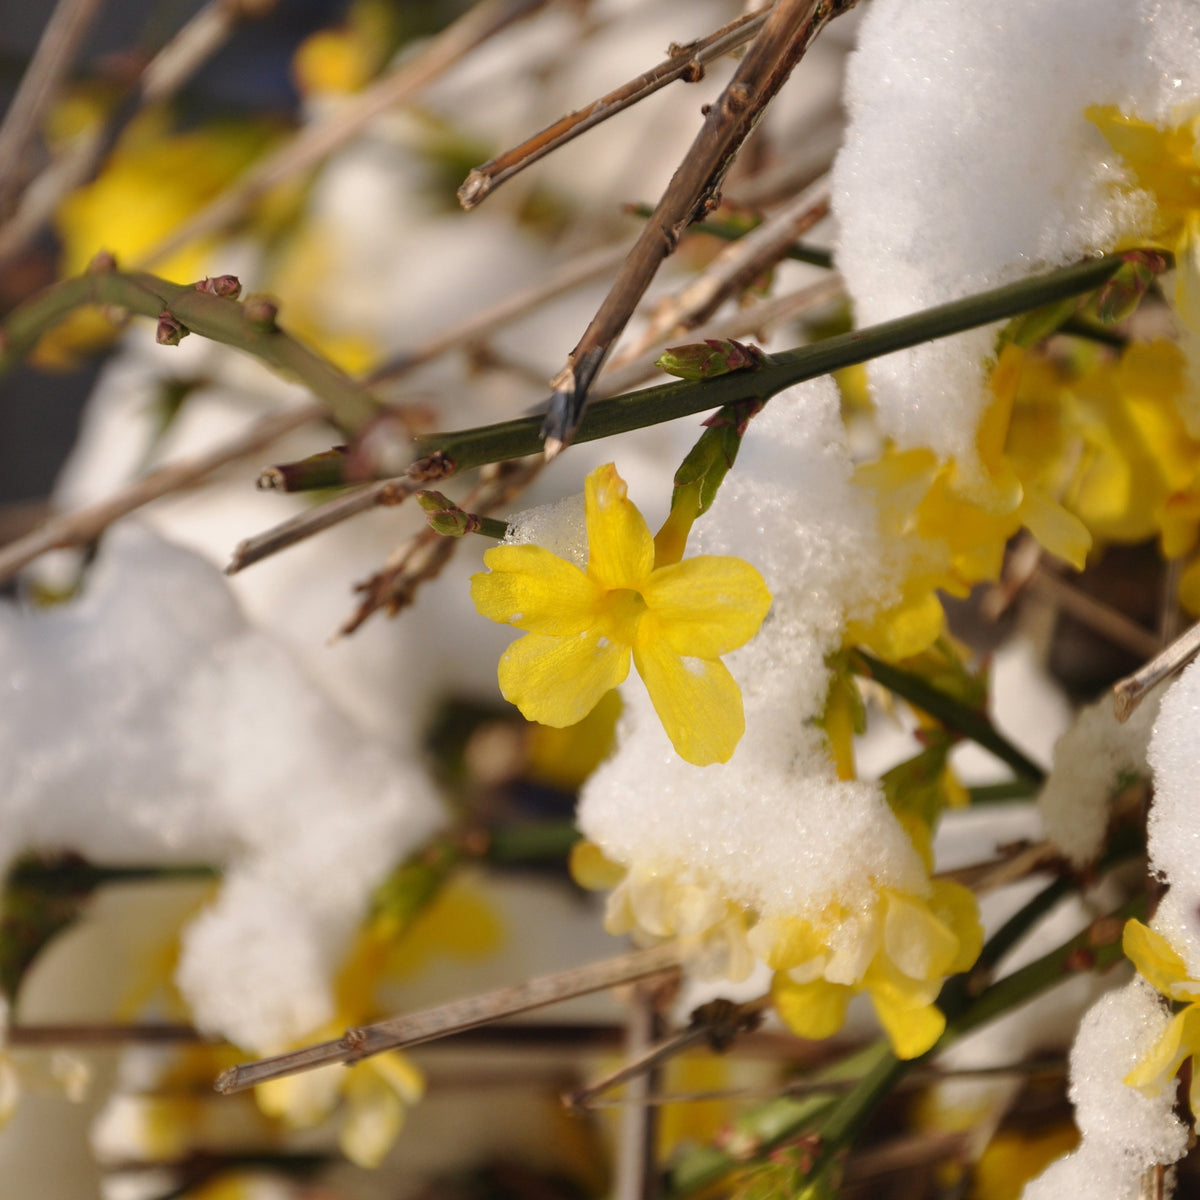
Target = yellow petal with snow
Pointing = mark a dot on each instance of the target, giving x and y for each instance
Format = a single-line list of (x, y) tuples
[(592, 869), (906, 629), (620, 548), (1180, 1039), (915, 940), (811, 1010), (787, 942), (532, 589), (1057, 530), (1157, 961), (958, 908), (707, 605), (697, 700), (559, 680)]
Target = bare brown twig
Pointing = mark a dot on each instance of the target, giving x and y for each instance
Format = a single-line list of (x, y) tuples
[(693, 191), (317, 141), (424, 555), (683, 62), (56, 50), (86, 524), (447, 1019), (304, 525), (735, 268), (1129, 692)]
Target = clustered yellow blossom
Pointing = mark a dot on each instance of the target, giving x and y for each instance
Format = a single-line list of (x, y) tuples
[(1161, 965), (896, 946), (674, 618)]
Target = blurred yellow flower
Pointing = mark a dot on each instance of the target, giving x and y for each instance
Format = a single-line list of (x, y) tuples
[(675, 618), (1163, 968)]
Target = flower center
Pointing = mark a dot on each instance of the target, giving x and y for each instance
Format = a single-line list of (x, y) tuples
[(624, 608)]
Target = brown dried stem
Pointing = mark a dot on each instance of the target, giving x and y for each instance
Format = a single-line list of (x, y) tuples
[(316, 142), (447, 1019), (86, 524), (1129, 692), (166, 72), (569, 276), (734, 269), (56, 50), (693, 191), (424, 555), (304, 525), (685, 62)]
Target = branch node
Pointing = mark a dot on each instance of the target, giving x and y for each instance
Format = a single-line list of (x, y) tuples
[(261, 312), (103, 262), (228, 287), (170, 331)]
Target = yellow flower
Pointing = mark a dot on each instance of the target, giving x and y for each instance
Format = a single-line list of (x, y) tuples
[(675, 618), (898, 948), (1164, 163), (1164, 969)]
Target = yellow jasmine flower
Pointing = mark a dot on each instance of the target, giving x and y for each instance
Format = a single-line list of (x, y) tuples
[(675, 618), (1164, 969), (898, 948), (1163, 162)]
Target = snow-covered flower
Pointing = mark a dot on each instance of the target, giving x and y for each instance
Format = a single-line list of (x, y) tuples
[(1163, 967), (675, 618)]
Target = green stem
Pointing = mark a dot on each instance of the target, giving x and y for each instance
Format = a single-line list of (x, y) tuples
[(949, 710), (634, 410), (220, 319)]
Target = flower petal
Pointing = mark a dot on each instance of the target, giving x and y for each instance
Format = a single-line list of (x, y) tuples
[(915, 940), (1180, 1038), (707, 605), (559, 680), (912, 1031), (958, 908), (697, 700), (811, 1010), (620, 548), (534, 590), (1157, 961)]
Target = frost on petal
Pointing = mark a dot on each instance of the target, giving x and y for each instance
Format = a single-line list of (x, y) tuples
[(559, 680), (707, 605)]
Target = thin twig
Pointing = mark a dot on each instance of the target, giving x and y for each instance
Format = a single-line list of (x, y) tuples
[(1103, 619), (717, 1023), (55, 53), (693, 191), (1129, 692), (84, 525), (317, 141), (735, 268), (248, 326), (167, 71), (569, 276), (194, 44), (102, 1034), (304, 525), (755, 319), (424, 555), (1023, 860), (636, 1174), (683, 62), (446, 1019)]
